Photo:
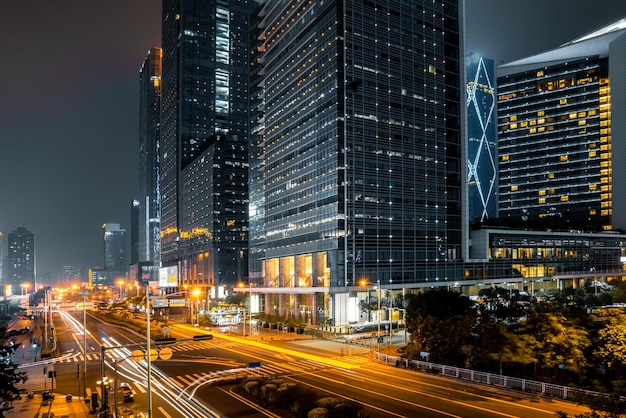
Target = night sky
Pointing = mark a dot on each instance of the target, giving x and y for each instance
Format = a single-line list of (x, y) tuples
[(69, 105)]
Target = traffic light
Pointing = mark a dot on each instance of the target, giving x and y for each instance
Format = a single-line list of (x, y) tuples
[(45, 371)]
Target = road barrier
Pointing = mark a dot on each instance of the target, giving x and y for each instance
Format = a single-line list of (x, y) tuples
[(581, 396)]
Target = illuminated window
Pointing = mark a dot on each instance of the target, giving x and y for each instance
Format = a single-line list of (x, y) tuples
[(593, 186), (523, 124), (550, 175), (563, 101), (540, 73), (514, 188), (564, 158), (592, 212), (582, 122), (540, 113), (513, 118), (564, 198), (582, 114), (514, 126), (505, 158), (592, 154), (542, 200), (542, 192), (572, 115), (532, 130)]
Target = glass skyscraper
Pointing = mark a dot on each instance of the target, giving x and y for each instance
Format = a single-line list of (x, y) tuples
[(149, 202), (361, 159), (482, 152), (204, 140), (555, 130), (114, 249)]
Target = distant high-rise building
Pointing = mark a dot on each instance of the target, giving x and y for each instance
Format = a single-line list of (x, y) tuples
[(204, 140), (74, 272), (482, 153), (361, 156), (557, 114), (21, 258), (114, 248), (149, 202)]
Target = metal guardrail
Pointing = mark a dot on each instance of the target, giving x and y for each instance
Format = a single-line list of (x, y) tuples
[(581, 396)]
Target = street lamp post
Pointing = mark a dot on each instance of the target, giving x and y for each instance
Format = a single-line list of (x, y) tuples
[(84, 345), (196, 293), (120, 283)]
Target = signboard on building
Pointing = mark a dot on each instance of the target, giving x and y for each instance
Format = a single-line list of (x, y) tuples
[(168, 276)]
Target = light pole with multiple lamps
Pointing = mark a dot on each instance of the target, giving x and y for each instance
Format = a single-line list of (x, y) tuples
[(196, 293), (120, 283), (242, 285)]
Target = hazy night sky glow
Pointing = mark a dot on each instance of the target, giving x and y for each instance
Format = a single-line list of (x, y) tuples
[(69, 105)]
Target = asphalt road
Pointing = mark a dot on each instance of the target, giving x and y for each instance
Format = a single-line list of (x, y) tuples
[(337, 369)]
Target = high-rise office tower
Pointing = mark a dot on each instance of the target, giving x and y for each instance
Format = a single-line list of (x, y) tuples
[(149, 224), (114, 248), (204, 140), (21, 258), (482, 155), (362, 161), (555, 130)]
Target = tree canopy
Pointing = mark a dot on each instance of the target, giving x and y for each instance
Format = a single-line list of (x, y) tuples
[(9, 377)]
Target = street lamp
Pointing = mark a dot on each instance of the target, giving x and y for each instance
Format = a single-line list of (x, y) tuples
[(120, 283), (196, 293), (25, 287)]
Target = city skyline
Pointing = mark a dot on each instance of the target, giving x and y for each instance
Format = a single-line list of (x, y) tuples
[(78, 121)]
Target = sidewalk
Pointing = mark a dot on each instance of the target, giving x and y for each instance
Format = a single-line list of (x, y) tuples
[(57, 407)]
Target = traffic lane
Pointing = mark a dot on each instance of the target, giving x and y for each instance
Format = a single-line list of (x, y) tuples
[(492, 393), (399, 393)]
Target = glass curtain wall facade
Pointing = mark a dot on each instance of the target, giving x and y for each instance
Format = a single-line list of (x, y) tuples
[(256, 151), (482, 149), (362, 152), (554, 143), (115, 248), (204, 134), (555, 130), (149, 236)]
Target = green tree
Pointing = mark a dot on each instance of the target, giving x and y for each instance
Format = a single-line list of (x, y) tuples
[(611, 344), (9, 377), (440, 322), (561, 341)]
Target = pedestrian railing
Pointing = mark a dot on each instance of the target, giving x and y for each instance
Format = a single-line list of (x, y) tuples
[(581, 396)]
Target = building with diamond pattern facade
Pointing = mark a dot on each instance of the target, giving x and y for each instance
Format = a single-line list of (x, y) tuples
[(482, 147)]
